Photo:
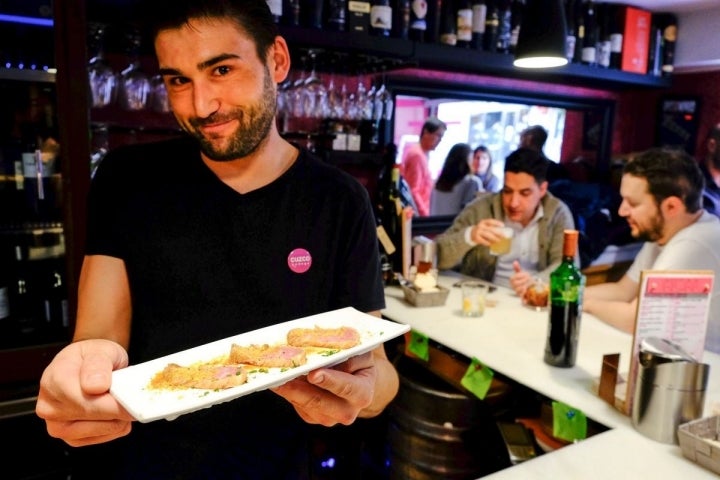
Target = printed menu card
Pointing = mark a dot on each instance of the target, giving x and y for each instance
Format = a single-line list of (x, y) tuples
[(673, 305)]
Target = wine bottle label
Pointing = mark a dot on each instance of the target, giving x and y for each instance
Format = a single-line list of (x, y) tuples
[(381, 17), (448, 39), (19, 177), (359, 7), (570, 42), (589, 54), (464, 24), (4, 303), (384, 238), (603, 54), (354, 141), (616, 41), (275, 7), (418, 15), (340, 142), (479, 14)]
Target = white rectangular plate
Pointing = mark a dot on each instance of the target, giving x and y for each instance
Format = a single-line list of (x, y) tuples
[(130, 385)]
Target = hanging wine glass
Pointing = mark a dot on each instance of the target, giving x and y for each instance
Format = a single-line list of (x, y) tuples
[(296, 95), (103, 80), (314, 90), (134, 83), (158, 95)]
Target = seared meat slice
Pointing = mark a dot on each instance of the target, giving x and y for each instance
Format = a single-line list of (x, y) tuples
[(206, 376), (283, 356), (342, 338)]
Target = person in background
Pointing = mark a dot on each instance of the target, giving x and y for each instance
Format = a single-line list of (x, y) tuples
[(710, 168), (229, 228), (414, 166), (482, 168), (537, 218), (455, 186), (534, 137), (661, 193)]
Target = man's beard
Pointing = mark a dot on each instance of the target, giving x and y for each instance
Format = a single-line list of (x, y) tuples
[(255, 123), (654, 232)]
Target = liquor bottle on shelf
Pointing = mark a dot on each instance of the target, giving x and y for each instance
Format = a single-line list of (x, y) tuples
[(434, 11), (669, 26), (4, 298), (381, 17), (580, 31), (311, 13), (448, 23), (389, 211), (55, 298), (336, 15), (590, 40), (616, 37), (504, 26), (464, 18), (401, 19), (492, 25), (655, 49), (479, 15), (24, 314), (571, 39), (517, 13), (291, 13), (604, 30), (276, 8), (418, 20), (358, 16), (567, 284)]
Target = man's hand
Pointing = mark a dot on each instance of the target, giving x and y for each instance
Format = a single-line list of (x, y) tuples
[(74, 398), (336, 395), (520, 280)]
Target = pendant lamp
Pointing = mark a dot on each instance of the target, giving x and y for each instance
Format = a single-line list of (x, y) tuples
[(543, 33)]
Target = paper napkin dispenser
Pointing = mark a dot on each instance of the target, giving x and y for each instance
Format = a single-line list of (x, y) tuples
[(669, 390)]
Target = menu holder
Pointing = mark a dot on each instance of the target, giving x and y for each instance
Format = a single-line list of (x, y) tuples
[(674, 305)]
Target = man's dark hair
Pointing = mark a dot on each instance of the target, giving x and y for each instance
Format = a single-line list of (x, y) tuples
[(669, 173), (537, 134), (252, 16), (432, 125), (527, 160)]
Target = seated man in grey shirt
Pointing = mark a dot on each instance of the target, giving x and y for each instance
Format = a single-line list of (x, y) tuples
[(536, 217)]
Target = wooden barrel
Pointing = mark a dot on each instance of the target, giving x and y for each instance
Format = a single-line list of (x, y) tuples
[(437, 432)]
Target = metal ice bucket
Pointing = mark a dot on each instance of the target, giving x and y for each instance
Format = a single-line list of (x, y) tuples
[(669, 390)]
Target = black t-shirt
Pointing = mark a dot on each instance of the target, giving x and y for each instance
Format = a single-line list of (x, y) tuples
[(205, 262)]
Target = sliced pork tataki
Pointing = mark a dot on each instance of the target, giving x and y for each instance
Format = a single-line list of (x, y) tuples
[(282, 356), (205, 376), (342, 337)]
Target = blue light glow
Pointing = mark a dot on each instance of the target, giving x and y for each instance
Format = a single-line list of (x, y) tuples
[(41, 22)]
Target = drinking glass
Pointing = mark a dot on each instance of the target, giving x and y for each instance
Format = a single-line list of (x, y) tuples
[(134, 83), (473, 298), (102, 78), (502, 246)]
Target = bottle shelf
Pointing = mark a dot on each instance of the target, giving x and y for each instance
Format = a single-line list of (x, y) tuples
[(27, 75), (435, 56)]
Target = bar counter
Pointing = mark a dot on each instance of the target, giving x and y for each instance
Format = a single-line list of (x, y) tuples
[(510, 339)]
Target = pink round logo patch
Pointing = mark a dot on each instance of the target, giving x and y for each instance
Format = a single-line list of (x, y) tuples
[(299, 260)]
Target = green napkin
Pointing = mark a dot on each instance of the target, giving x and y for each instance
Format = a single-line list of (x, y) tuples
[(477, 378), (418, 345), (568, 423)]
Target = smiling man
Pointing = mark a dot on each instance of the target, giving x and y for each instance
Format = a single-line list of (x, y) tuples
[(661, 193), (225, 230), (536, 217)]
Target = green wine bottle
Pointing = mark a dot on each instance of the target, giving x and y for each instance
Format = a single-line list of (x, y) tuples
[(565, 307)]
